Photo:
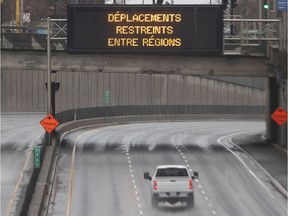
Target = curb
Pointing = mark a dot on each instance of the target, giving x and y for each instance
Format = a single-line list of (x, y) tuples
[(41, 186), (273, 180)]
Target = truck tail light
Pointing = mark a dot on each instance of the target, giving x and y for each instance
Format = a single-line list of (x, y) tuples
[(190, 184), (155, 184)]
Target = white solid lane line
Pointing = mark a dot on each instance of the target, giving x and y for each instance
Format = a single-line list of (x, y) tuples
[(72, 168), (11, 201), (220, 141)]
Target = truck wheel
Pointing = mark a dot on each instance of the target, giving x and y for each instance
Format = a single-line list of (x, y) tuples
[(190, 202), (154, 202)]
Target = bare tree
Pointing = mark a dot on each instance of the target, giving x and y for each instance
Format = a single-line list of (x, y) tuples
[(40, 8), (7, 11), (247, 8)]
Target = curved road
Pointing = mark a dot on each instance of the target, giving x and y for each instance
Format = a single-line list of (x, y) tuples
[(19, 134), (100, 170)]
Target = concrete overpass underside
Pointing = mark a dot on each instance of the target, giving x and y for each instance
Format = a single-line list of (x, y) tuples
[(183, 65)]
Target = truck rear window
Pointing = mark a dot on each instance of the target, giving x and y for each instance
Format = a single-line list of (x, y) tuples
[(171, 172)]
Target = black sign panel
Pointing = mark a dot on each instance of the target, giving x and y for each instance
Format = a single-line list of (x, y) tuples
[(139, 29)]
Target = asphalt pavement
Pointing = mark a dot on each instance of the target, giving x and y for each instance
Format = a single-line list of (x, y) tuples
[(270, 156), (19, 134), (108, 165)]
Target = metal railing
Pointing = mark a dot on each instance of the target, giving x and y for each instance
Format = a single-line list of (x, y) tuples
[(240, 34)]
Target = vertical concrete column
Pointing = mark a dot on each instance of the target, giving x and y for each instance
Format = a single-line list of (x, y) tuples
[(272, 104), (283, 129)]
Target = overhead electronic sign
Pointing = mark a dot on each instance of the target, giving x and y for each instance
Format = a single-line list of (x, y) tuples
[(139, 29)]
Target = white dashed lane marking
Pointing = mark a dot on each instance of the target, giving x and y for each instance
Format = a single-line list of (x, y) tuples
[(190, 170), (125, 142)]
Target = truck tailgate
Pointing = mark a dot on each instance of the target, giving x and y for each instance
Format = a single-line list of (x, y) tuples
[(170, 184)]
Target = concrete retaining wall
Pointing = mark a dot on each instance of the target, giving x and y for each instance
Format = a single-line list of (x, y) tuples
[(24, 90)]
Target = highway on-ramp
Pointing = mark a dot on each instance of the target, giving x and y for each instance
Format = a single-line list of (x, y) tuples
[(100, 170), (19, 134)]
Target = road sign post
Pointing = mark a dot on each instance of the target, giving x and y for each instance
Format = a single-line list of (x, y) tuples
[(37, 157)]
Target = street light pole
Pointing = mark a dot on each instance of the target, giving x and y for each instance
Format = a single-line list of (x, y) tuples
[(48, 76), (48, 68)]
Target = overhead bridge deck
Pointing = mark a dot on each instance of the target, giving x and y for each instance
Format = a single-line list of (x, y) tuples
[(182, 65)]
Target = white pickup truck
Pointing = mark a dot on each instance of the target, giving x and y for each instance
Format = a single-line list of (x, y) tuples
[(172, 183)]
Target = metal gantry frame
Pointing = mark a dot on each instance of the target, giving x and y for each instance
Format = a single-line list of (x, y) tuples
[(241, 33), (56, 30), (238, 34), (245, 33)]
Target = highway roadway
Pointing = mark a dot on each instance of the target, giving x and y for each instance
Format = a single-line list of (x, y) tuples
[(100, 170), (19, 134)]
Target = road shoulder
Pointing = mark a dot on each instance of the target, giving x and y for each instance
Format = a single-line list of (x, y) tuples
[(268, 155)]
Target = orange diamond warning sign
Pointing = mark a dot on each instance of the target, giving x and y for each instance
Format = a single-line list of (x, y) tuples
[(279, 116), (49, 123)]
